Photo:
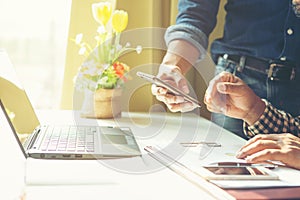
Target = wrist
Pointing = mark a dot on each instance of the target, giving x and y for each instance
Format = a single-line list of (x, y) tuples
[(255, 112), (182, 54), (177, 62)]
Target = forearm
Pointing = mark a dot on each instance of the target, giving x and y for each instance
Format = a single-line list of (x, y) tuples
[(195, 21), (273, 121), (181, 54), (187, 40)]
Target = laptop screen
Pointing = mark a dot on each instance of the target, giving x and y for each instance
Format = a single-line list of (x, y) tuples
[(14, 99)]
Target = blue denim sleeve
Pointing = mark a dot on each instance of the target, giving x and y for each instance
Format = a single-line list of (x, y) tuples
[(195, 21)]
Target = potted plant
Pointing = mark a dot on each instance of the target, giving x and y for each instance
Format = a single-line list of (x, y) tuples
[(101, 76)]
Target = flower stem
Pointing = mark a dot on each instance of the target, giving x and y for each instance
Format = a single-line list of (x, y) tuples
[(117, 43)]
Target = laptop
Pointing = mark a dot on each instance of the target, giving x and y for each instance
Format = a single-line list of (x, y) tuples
[(57, 141)]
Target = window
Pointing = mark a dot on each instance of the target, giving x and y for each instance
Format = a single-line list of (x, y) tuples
[(35, 34)]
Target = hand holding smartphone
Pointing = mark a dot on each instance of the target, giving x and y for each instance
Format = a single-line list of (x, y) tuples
[(172, 89)]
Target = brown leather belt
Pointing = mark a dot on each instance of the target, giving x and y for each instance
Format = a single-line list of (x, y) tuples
[(274, 70)]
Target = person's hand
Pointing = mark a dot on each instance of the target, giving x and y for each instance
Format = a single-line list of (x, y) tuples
[(229, 95), (279, 147), (172, 75), (296, 7)]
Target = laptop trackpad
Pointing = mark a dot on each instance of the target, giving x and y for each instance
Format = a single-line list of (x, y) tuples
[(116, 140), (113, 139)]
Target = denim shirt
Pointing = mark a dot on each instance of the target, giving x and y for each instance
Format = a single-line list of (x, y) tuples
[(261, 28)]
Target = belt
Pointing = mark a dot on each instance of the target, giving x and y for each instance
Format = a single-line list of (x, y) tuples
[(275, 70)]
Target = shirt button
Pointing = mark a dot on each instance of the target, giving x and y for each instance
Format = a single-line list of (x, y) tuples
[(290, 31), (283, 58)]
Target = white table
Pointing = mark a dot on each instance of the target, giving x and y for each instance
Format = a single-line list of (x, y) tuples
[(135, 178), (132, 178)]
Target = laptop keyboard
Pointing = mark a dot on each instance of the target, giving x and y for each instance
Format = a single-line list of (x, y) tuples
[(71, 139)]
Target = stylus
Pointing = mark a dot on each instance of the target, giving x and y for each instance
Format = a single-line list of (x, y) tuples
[(241, 164)]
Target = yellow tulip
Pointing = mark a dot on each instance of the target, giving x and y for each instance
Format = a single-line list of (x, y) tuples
[(119, 20), (102, 12)]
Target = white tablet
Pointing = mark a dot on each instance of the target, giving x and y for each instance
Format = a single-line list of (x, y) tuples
[(236, 173)]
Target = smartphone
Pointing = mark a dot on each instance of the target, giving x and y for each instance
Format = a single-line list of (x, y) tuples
[(236, 173), (170, 88)]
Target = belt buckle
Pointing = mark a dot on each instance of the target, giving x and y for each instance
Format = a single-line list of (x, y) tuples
[(275, 75)]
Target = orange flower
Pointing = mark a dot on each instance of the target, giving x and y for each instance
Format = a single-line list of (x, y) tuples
[(120, 69)]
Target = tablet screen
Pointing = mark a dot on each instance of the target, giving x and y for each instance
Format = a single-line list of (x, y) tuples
[(236, 170)]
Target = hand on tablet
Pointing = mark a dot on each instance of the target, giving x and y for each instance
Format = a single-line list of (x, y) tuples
[(172, 75), (279, 147)]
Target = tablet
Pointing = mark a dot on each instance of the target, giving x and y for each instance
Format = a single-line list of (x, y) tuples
[(236, 173), (155, 80)]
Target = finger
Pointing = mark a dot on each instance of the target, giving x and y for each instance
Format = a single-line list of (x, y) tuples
[(257, 146), (173, 99), (260, 137), (181, 107), (290, 136), (228, 77), (211, 89), (209, 97), (188, 106), (213, 94), (156, 90), (161, 98), (224, 77), (296, 1), (214, 109), (230, 88), (216, 104), (213, 98), (176, 103), (182, 84), (174, 107), (265, 155), (277, 139)]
